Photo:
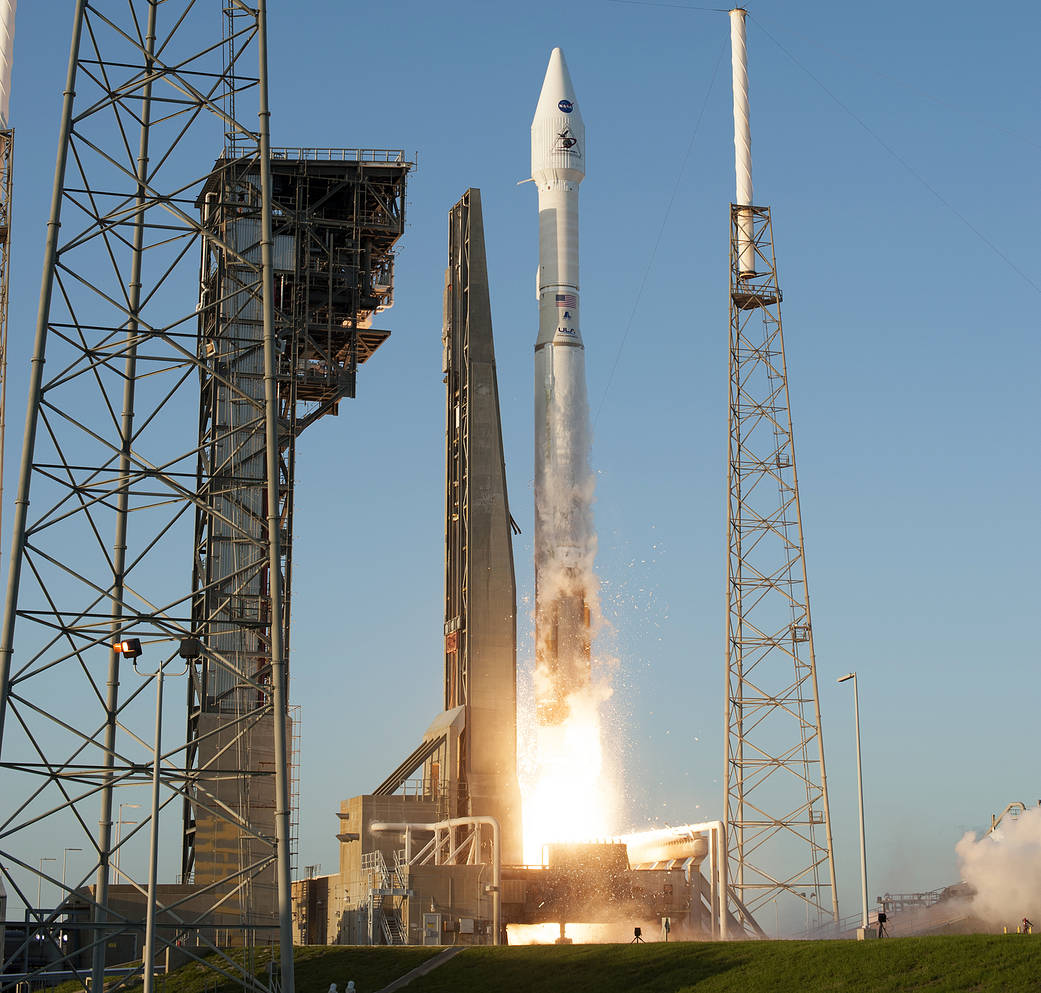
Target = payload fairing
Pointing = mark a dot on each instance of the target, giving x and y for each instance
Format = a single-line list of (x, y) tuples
[(565, 542)]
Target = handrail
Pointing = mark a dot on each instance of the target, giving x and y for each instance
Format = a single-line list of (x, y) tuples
[(389, 155)]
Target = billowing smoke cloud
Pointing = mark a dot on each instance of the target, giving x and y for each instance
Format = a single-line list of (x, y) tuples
[(1004, 868)]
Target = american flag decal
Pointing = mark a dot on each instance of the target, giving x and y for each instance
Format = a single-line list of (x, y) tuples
[(565, 300)]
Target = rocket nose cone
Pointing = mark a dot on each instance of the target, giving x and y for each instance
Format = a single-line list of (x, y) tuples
[(558, 134), (557, 88)]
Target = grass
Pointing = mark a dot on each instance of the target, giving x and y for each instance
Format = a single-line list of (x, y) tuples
[(947, 964), (944, 964), (315, 968)]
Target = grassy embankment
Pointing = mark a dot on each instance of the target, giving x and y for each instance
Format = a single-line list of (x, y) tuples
[(947, 964)]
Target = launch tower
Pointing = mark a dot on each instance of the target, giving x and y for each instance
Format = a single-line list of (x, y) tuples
[(338, 213), (776, 798)]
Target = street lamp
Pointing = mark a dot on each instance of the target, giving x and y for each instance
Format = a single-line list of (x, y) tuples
[(64, 863), (39, 883), (119, 831), (131, 649), (860, 791)]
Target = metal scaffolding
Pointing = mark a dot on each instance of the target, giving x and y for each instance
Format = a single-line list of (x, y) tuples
[(778, 823), (112, 460)]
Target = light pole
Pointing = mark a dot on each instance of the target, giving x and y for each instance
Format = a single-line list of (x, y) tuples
[(39, 883), (64, 863), (131, 649), (860, 791), (119, 830)]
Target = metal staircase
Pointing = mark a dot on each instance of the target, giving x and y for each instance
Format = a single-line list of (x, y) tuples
[(385, 882)]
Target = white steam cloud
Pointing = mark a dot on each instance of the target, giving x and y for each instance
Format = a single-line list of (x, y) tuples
[(1004, 869)]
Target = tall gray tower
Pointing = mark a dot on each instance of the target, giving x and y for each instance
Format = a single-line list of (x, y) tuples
[(480, 586)]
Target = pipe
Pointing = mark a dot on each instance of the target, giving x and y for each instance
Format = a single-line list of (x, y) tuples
[(153, 843), (717, 860), (721, 874), (279, 676), (380, 827), (742, 140)]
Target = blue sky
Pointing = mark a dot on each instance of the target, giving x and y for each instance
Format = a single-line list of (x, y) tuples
[(898, 147)]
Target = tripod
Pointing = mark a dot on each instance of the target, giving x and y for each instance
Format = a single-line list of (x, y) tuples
[(637, 937)]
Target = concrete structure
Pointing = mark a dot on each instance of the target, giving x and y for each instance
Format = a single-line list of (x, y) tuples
[(310, 910), (419, 880)]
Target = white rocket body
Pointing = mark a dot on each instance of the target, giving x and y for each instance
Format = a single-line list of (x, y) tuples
[(564, 538)]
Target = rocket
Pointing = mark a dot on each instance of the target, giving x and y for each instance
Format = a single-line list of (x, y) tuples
[(565, 541)]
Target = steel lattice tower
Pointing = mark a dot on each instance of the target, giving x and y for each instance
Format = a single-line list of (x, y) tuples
[(776, 798), (111, 460), (779, 829)]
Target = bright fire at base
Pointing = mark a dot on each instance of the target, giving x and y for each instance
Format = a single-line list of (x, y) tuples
[(617, 932), (566, 793)]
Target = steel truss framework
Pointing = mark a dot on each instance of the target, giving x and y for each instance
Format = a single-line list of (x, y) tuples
[(111, 457), (778, 823)]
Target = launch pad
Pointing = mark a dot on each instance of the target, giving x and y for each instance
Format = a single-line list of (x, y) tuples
[(421, 882), (434, 855)]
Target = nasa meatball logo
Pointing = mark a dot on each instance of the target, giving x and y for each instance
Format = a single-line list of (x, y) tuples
[(566, 106)]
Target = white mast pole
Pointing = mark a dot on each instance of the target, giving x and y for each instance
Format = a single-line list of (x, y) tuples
[(742, 140), (7, 9)]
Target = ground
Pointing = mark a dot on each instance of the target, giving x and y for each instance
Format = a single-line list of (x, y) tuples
[(946, 964)]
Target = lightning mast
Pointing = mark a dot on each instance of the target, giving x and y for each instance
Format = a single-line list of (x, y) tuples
[(7, 13), (776, 797)]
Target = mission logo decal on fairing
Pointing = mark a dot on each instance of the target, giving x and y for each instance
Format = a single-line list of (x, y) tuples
[(565, 106), (567, 142)]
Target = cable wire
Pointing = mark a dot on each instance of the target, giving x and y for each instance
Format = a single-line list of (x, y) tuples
[(907, 165), (677, 6), (661, 230)]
